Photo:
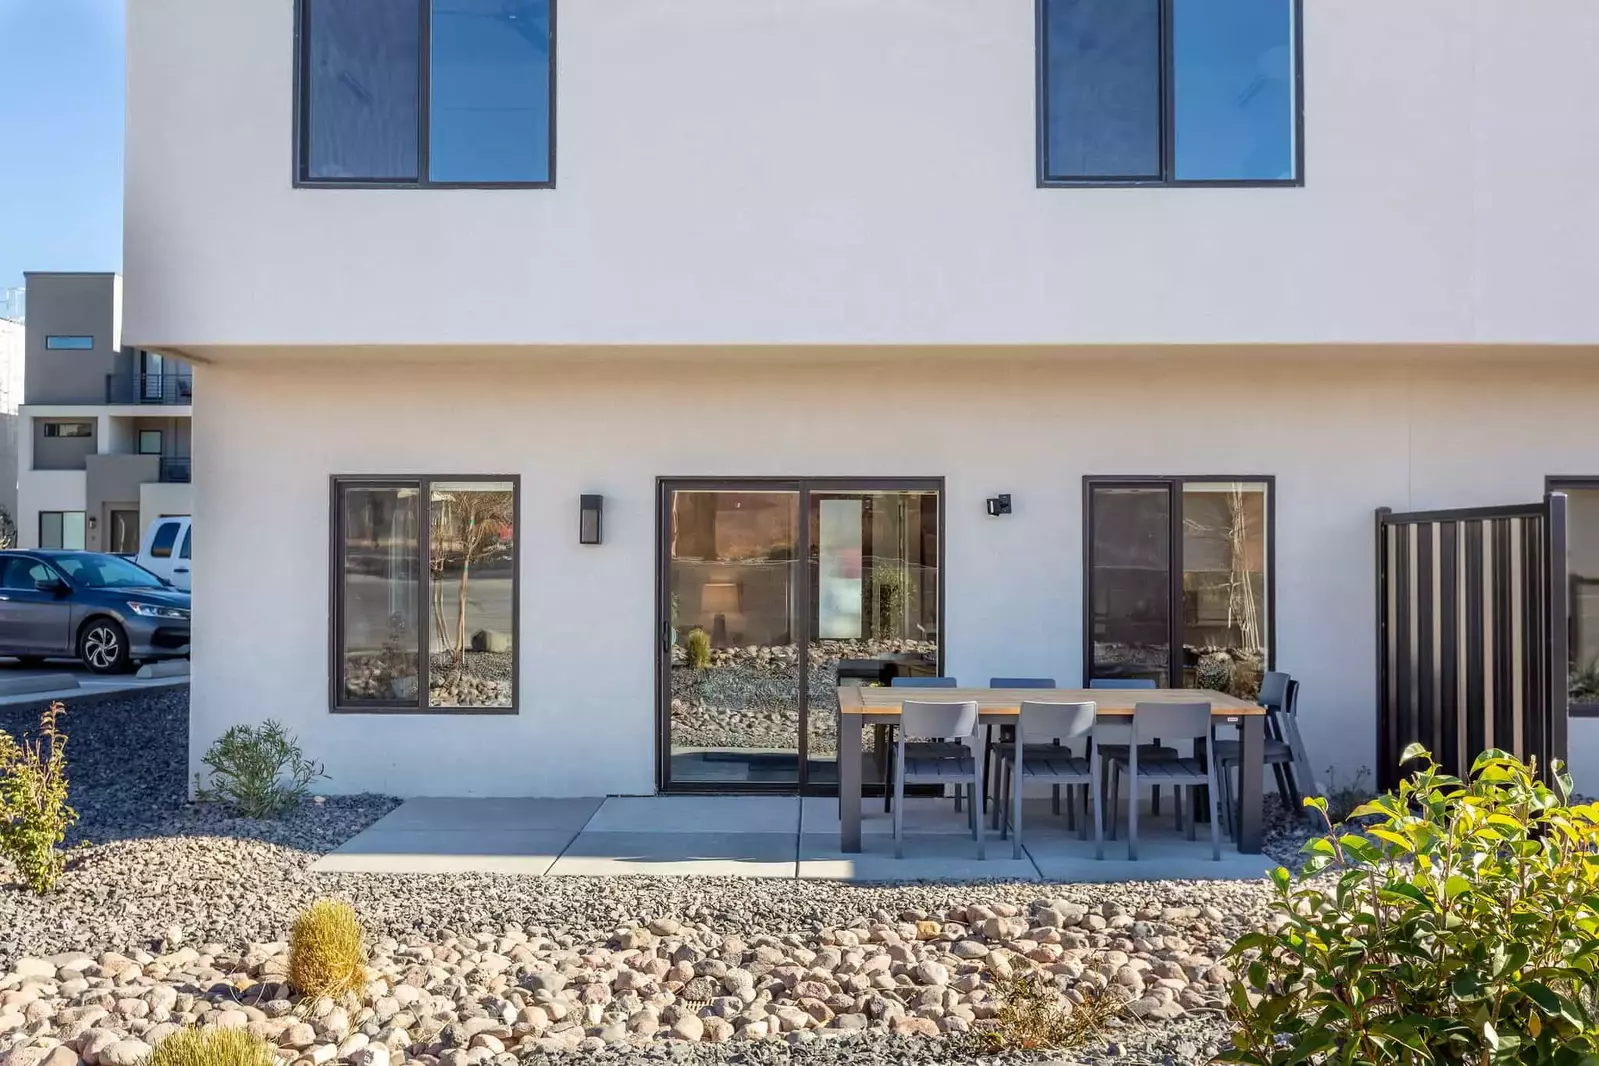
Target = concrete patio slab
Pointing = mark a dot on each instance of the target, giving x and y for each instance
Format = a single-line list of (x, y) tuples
[(924, 815), (610, 854), (1163, 855), (697, 814), (445, 812), (928, 857), (428, 851)]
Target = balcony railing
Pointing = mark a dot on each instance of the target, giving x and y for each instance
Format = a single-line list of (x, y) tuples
[(177, 470), (175, 389)]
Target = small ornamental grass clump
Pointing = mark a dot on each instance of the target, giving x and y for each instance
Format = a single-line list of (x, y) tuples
[(327, 952), (34, 815), (1033, 1017), (258, 770), (212, 1047), (698, 649), (1460, 926)]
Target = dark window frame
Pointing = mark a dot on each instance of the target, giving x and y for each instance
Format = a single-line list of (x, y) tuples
[(337, 704), (58, 435), (160, 442), (302, 104), (802, 486), (1174, 484), (51, 345), (1168, 127), (1561, 483)]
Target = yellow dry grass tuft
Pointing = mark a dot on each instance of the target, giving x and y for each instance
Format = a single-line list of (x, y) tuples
[(1032, 1015), (212, 1047), (327, 952)]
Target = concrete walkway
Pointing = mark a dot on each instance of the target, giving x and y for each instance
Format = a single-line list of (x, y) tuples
[(755, 836)]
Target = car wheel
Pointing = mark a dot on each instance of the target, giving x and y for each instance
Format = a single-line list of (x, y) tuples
[(103, 647)]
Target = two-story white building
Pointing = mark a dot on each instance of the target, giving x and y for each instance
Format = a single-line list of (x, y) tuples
[(778, 300)]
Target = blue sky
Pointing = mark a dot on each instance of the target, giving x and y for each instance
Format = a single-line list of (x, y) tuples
[(61, 83)]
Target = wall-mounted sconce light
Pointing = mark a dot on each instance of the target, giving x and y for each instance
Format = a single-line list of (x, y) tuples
[(998, 505), (92, 523), (589, 526)]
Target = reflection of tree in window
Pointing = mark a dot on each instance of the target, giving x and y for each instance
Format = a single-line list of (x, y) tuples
[(471, 535)]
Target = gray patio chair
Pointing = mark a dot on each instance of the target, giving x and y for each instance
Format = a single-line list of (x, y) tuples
[(1030, 759), (1006, 731), (952, 724), (1185, 721), (1152, 751), (919, 748), (1284, 753)]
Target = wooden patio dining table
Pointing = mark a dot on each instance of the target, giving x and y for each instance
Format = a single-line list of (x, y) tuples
[(860, 706)]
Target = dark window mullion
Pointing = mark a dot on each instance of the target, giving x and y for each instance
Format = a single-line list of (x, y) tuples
[(424, 90), (424, 592), (1168, 94), (1174, 508)]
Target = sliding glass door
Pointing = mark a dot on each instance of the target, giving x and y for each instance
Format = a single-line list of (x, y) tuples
[(1177, 576), (765, 587)]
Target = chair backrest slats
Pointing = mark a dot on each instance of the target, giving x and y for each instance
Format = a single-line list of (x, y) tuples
[(1121, 682), (943, 720), (1021, 682), (1043, 720), (924, 682), (1171, 721)]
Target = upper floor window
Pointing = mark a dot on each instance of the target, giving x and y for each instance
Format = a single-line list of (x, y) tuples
[(1170, 92), (73, 343), (426, 92)]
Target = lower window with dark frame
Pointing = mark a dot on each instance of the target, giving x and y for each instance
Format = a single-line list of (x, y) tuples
[(1582, 569), (424, 588), (1177, 582)]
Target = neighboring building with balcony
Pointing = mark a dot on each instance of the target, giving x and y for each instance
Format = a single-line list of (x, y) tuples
[(103, 444), (1198, 284)]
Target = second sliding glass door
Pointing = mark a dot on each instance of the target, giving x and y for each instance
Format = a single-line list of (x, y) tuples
[(765, 587)]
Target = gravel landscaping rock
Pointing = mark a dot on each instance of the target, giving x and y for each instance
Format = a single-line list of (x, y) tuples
[(173, 914)]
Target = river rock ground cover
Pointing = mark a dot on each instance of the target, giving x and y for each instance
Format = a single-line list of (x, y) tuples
[(173, 914)]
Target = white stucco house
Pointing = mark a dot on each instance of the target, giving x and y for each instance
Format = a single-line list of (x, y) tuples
[(795, 289)]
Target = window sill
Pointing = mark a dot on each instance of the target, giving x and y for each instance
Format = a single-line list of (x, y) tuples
[(414, 185), (1099, 183), (439, 712)]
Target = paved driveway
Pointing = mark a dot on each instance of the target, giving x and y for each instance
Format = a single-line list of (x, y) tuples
[(74, 681)]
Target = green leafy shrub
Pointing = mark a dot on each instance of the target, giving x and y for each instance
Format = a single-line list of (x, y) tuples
[(698, 648), (1461, 927), (327, 950), (212, 1047), (34, 815), (890, 592), (258, 770)]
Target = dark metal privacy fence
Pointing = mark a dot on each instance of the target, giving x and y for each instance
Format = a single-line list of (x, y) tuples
[(1471, 634)]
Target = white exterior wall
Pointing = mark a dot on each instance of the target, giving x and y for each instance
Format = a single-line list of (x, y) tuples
[(160, 498), (862, 172), (1343, 436)]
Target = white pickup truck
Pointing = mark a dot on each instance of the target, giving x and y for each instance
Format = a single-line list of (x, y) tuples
[(165, 549)]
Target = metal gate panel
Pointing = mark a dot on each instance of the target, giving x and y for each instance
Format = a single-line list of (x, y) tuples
[(1471, 634)]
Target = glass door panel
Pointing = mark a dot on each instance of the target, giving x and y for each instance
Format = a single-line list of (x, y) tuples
[(1129, 582), (1224, 622), (732, 635), (874, 584)]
